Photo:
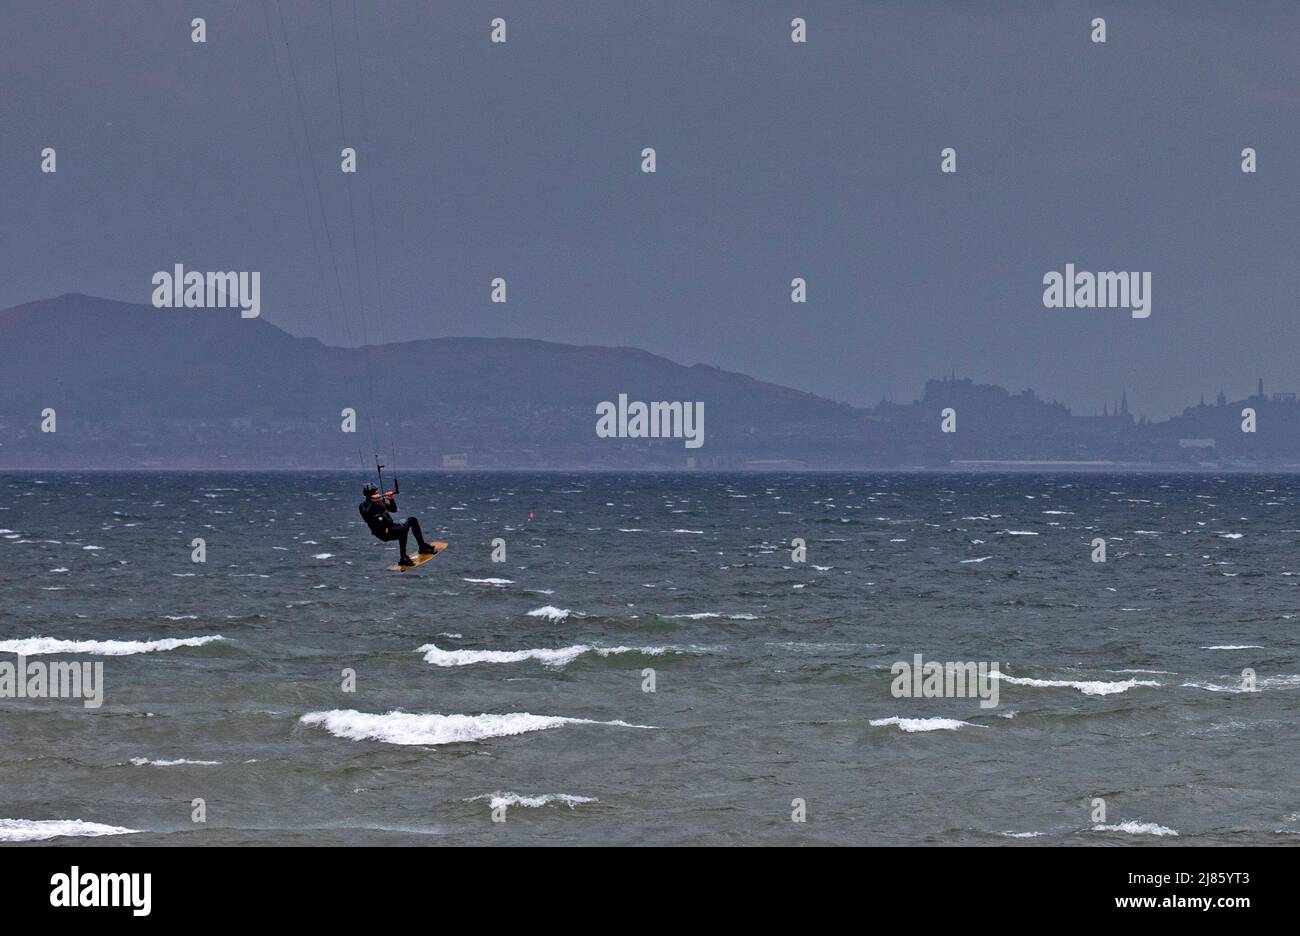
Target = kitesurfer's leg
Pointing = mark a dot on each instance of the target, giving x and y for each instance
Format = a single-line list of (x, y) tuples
[(425, 548), (399, 533)]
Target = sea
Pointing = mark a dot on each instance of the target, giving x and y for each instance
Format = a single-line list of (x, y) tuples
[(653, 659)]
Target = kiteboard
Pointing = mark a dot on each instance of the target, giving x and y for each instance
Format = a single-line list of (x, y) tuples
[(419, 559)]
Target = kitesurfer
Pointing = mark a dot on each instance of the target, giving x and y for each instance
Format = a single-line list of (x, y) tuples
[(375, 510)]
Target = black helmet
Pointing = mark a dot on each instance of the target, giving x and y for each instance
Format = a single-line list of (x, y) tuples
[(369, 490)]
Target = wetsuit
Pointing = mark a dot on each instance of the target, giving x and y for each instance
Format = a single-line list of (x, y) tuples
[(384, 527)]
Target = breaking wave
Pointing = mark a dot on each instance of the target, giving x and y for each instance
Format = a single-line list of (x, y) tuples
[(409, 728), (921, 724), (556, 658), (34, 646), (497, 800), (38, 830), (1087, 687), (1136, 828)]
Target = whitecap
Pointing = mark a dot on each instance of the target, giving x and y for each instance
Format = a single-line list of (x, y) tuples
[(1087, 687), (1284, 681), (707, 615), (408, 728), (551, 613), (497, 800), (922, 724), (1136, 828), (556, 658), (33, 646), (146, 762), (38, 830), (488, 581)]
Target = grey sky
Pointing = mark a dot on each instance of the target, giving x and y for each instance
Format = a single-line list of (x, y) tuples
[(774, 160)]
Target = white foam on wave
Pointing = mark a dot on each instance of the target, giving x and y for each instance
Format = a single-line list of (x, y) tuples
[(497, 800), (179, 762), (1136, 828), (980, 559), (707, 615), (551, 613), (555, 658), (489, 581), (1234, 647), (38, 830), (1021, 834), (1018, 533), (34, 646), (1282, 681), (921, 724), (323, 556), (1086, 686), (1219, 687), (410, 728)]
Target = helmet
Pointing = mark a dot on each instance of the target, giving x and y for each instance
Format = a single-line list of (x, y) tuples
[(369, 490)]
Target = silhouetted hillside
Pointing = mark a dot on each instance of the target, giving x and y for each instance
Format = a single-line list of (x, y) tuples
[(135, 386), (166, 382)]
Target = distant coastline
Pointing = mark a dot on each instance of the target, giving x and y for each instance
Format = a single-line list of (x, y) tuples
[(135, 388)]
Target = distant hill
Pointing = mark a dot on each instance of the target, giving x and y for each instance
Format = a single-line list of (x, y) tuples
[(135, 386), (180, 378)]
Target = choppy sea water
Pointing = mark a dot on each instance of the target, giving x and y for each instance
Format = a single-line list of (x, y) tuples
[(520, 684)]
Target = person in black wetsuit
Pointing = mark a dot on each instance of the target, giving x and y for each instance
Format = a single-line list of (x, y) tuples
[(375, 511)]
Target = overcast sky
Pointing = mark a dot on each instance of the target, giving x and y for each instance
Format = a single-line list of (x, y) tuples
[(775, 160)]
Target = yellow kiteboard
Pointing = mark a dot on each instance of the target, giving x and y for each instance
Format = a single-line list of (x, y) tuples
[(418, 559)]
